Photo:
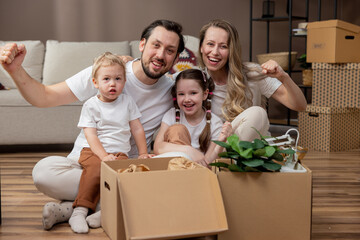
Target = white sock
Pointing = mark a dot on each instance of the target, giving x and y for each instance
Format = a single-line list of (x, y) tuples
[(55, 213), (94, 220), (77, 220)]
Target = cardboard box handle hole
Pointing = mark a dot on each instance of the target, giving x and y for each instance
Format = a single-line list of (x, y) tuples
[(350, 37), (312, 114), (107, 186)]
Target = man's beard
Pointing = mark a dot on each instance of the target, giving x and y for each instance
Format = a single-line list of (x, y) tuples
[(149, 74)]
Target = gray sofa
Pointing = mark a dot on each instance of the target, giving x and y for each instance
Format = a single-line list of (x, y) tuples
[(21, 123)]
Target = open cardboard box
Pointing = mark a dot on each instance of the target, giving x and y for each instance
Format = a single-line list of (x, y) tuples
[(267, 205), (160, 204)]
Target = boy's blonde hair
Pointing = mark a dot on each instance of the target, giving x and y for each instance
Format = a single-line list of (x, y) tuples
[(106, 59)]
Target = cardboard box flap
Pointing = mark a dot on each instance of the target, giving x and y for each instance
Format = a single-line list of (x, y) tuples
[(196, 207), (334, 23), (311, 109)]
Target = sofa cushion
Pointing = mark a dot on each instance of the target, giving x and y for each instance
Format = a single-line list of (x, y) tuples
[(13, 98), (64, 59), (33, 62), (2, 87), (134, 47), (192, 43)]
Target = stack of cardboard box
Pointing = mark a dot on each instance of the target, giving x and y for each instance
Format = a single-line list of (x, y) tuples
[(332, 122)]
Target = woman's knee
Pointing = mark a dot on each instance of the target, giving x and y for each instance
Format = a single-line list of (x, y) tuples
[(256, 112), (253, 117)]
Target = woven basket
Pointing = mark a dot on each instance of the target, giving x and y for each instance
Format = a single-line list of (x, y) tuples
[(307, 76), (280, 57)]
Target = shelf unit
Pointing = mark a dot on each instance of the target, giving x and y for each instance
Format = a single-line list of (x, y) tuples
[(290, 19)]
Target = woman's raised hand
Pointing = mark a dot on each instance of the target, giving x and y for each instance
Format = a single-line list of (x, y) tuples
[(273, 69)]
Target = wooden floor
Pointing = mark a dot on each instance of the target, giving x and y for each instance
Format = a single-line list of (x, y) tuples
[(336, 198)]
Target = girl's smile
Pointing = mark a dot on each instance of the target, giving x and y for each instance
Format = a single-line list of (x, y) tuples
[(190, 97)]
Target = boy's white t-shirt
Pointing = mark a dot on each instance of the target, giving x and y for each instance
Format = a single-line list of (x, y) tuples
[(111, 120), (153, 102), (265, 87), (195, 131)]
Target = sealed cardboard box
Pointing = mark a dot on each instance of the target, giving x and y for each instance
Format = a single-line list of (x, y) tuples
[(160, 204), (267, 205), (329, 129), (336, 84), (333, 41)]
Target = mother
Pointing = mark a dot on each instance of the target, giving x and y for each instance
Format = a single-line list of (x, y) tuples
[(240, 87)]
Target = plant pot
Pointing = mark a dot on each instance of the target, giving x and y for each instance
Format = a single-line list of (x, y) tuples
[(307, 76)]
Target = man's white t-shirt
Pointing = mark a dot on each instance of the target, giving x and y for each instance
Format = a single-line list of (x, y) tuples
[(111, 120), (153, 102), (195, 131)]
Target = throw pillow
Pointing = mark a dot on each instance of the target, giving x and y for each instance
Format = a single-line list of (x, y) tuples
[(185, 61), (2, 87)]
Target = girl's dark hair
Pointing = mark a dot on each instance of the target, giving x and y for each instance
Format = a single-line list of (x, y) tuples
[(205, 83)]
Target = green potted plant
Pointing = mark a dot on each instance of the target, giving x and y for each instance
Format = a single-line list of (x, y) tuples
[(307, 72), (256, 156)]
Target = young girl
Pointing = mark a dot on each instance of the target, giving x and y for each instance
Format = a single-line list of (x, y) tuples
[(190, 126)]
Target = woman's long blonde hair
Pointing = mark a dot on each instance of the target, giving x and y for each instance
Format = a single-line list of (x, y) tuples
[(238, 97)]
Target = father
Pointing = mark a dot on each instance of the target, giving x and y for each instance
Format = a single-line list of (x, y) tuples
[(58, 177)]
